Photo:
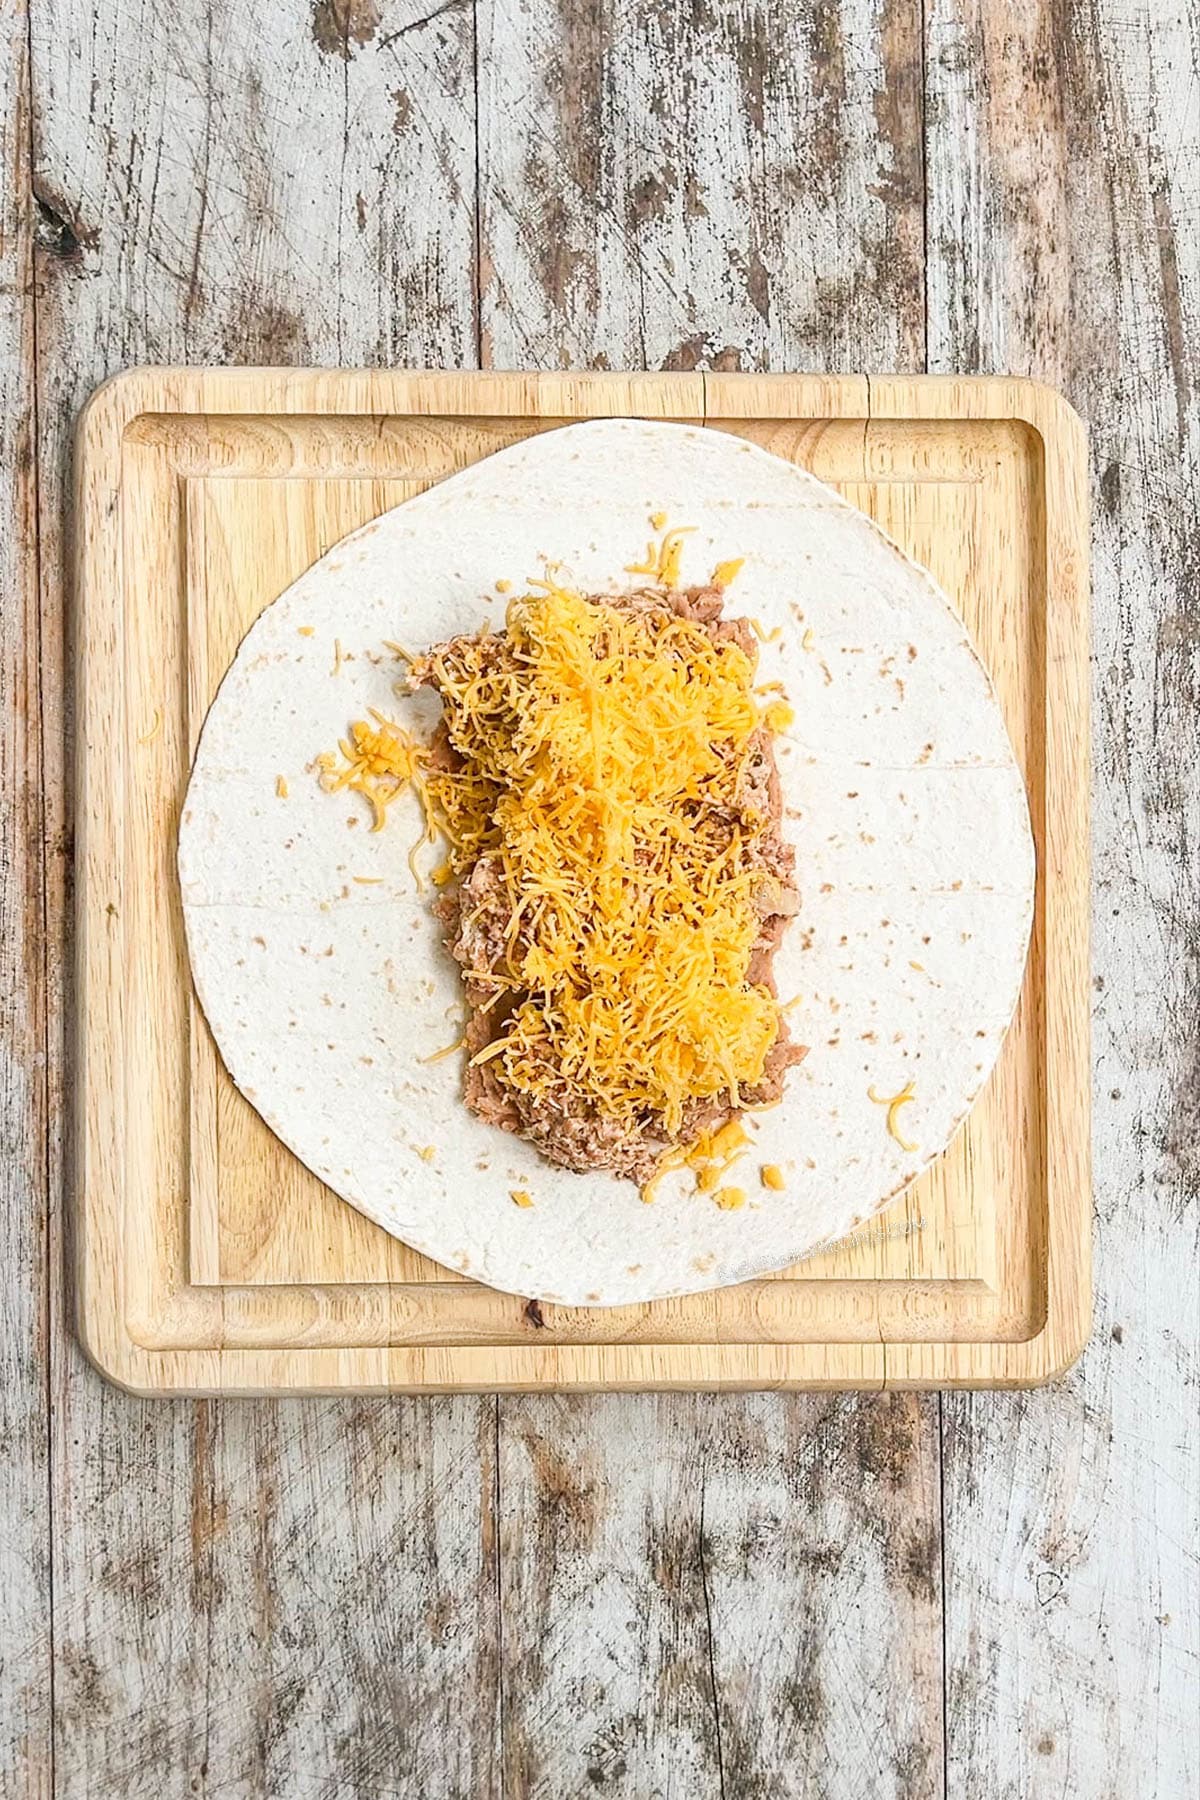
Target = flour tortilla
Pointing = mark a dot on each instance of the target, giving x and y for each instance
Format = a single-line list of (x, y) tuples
[(914, 860)]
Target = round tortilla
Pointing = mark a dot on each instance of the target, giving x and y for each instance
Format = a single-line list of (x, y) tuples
[(322, 969)]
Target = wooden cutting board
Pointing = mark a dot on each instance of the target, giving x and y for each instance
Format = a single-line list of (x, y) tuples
[(210, 1260)]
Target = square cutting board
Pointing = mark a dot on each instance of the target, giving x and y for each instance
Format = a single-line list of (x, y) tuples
[(210, 1260)]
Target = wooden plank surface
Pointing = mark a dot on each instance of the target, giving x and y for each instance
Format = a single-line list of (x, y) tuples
[(25, 1678), (255, 1600), (260, 1602), (708, 187), (720, 1596), (1066, 244)]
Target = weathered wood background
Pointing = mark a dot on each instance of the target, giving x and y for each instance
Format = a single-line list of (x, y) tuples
[(979, 1597)]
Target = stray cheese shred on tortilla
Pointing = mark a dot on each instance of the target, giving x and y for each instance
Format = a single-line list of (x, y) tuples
[(378, 760), (894, 1102)]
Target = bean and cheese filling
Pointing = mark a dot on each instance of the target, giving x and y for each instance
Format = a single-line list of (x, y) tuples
[(604, 777)]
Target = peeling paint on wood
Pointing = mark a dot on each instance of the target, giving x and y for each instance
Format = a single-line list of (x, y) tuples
[(675, 1595), (1064, 176), (25, 1650)]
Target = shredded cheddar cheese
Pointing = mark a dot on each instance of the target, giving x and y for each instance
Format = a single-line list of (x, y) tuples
[(771, 1177), (670, 556), (281, 786), (520, 1197), (600, 756), (663, 563), (731, 1137), (726, 572), (730, 1199), (671, 1159), (714, 1153), (595, 760), (378, 760), (894, 1102)]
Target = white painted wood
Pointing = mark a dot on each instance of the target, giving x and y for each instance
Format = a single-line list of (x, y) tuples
[(250, 1600), (734, 1595), (311, 1600), (729, 186), (1064, 172), (683, 1581), (25, 1698)]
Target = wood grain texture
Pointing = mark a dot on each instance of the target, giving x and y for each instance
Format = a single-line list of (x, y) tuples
[(243, 184), (766, 1573), (285, 1601), (25, 1651), (1064, 150), (734, 187), (681, 187), (211, 1260), (262, 1603)]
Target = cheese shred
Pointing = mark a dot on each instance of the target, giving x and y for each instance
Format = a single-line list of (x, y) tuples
[(376, 759), (894, 1102), (601, 762)]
